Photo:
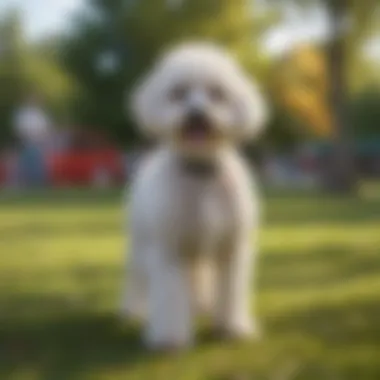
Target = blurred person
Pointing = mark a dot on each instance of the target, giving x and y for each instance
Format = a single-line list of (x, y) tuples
[(32, 128)]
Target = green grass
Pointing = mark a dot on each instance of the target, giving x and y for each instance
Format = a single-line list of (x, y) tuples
[(318, 294)]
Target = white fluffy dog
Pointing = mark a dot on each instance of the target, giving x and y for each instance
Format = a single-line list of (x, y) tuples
[(193, 203)]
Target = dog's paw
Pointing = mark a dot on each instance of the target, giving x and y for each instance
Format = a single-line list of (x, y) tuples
[(166, 344), (132, 313), (238, 332), (167, 347)]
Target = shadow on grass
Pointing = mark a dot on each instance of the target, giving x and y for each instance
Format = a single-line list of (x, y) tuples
[(65, 347), (74, 344)]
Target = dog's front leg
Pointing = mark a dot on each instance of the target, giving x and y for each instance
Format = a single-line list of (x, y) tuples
[(169, 324), (134, 294), (233, 317)]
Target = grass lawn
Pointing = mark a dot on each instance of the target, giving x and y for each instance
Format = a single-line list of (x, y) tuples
[(318, 295)]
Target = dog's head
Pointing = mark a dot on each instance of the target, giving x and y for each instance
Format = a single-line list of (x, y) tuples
[(198, 98)]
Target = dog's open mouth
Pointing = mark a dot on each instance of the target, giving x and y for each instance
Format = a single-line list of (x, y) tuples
[(202, 131)]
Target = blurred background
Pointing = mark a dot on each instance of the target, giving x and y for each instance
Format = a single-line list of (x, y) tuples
[(68, 147)]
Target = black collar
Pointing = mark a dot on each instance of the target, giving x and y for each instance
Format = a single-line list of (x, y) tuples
[(199, 168)]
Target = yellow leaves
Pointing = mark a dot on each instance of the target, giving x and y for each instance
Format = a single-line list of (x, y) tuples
[(301, 86), (48, 77), (305, 105), (310, 61)]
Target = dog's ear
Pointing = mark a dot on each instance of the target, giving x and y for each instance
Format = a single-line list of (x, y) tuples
[(252, 109), (142, 104)]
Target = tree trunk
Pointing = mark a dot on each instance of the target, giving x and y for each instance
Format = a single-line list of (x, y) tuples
[(340, 172)]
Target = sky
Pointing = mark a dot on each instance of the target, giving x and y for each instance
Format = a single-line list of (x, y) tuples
[(297, 27), (44, 17)]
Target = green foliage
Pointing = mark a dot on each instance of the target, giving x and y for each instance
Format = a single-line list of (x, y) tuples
[(11, 82), (88, 73), (365, 113), (362, 23), (358, 71), (136, 32)]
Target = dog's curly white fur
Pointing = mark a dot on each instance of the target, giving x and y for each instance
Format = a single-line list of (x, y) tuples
[(183, 225)]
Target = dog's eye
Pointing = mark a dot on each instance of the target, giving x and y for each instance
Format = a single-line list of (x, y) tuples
[(217, 94), (178, 93)]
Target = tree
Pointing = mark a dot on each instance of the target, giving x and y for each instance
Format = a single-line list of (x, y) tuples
[(349, 23), (365, 114), (113, 45), (11, 83), (342, 39)]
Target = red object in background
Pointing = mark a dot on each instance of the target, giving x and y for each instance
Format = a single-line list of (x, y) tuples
[(79, 168)]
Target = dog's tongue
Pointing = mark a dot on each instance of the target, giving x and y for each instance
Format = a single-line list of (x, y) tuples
[(197, 135)]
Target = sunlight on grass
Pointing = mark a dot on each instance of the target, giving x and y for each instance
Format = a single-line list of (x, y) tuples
[(318, 295)]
